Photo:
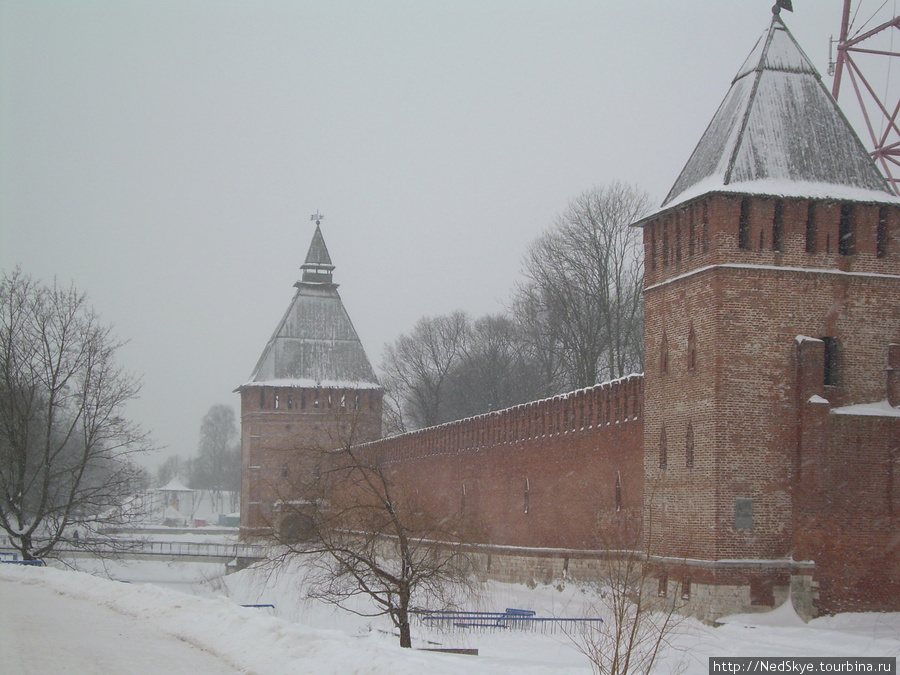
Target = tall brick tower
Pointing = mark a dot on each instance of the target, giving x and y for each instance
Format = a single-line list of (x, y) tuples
[(772, 299), (313, 390)]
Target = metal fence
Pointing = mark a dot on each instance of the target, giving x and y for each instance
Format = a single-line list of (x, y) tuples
[(509, 620)]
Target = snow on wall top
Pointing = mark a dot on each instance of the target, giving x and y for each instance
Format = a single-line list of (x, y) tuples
[(778, 131)]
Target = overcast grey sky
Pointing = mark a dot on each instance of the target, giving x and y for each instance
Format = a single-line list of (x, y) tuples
[(166, 156)]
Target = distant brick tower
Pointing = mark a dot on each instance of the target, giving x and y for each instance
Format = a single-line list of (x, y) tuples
[(772, 299), (312, 390)]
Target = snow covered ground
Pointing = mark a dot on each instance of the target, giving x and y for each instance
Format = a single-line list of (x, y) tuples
[(188, 615)]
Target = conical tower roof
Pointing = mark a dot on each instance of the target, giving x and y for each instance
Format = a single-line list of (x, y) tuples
[(779, 132), (315, 344)]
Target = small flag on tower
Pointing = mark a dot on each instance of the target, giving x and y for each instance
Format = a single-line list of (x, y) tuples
[(782, 4)]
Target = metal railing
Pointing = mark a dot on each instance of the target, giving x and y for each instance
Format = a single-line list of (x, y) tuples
[(168, 548), (510, 619)]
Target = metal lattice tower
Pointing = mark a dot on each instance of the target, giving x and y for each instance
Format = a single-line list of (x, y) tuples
[(863, 54)]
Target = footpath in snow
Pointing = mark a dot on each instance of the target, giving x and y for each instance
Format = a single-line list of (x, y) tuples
[(59, 621)]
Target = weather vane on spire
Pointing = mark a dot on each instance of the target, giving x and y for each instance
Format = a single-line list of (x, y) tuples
[(317, 217), (782, 4)]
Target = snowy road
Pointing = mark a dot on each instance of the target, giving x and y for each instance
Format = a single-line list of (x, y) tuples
[(42, 631)]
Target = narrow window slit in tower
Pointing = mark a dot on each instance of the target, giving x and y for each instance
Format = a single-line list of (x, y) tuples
[(778, 226), (881, 243), (846, 238), (618, 492), (811, 227), (744, 224), (663, 450), (689, 446)]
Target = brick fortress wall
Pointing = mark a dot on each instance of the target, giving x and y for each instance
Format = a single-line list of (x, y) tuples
[(561, 473)]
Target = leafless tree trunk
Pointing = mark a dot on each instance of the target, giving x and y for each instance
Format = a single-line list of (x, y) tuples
[(65, 449), (581, 302)]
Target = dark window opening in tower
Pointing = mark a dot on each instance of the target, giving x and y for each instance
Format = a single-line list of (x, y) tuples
[(302, 399), (692, 233), (832, 350), (527, 495), (662, 588), (811, 227), (665, 243), (618, 492), (262, 398), (290, 399), (689, 446), (846, 238), (744, 224), (881, 235), (692, 349), (663, 450), (678, 238), (686, 589), (762, 240), (664, 355), (778, 226)]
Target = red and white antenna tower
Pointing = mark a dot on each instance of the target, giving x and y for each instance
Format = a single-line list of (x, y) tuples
[(864, 53)]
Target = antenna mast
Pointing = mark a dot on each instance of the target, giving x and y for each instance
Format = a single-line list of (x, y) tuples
[(879, 111)]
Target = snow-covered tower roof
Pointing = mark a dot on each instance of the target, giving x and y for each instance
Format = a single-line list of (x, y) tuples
[(779, 132), (315, 344)]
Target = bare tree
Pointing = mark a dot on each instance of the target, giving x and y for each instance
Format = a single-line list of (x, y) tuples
[(217, 466), (640, 607), (417, 366), (580, 305), (494, 371), (363, 535), (65, 448), (173, 467)]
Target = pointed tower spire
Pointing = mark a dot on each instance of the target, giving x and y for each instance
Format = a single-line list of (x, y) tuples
[(779, 132), (317, 268)]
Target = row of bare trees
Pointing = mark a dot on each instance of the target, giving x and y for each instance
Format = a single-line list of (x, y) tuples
[(576, 319)]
